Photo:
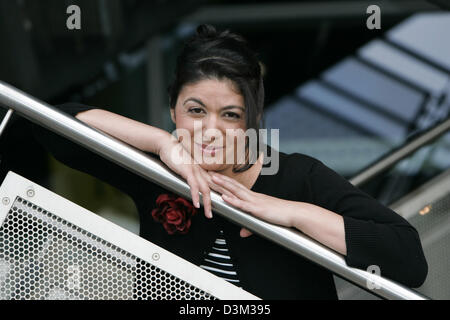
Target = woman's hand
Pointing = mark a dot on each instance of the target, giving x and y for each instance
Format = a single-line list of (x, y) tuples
[(260, 205), (178, 159), (321, 224)]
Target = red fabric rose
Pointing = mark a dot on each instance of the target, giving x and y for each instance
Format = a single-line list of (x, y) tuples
[(174, 213)]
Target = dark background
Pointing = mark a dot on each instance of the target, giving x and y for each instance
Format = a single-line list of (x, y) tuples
[(296, 40), (123, 57)]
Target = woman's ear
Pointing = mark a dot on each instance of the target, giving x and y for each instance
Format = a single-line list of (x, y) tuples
[(172, 114)]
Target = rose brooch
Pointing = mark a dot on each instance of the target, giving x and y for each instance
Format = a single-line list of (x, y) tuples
[(174, 213)]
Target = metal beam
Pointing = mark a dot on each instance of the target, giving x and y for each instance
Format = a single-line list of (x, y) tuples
[(302, 12)]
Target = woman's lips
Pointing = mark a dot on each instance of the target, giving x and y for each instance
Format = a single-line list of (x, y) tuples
[(209, 149)]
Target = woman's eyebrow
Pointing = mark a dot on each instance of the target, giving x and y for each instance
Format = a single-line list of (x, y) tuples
[(202, 104), (233, 107), (195, 100)]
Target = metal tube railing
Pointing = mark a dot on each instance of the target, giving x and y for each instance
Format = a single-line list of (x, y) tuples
[(415, 142), (5, 120), (153, 170)]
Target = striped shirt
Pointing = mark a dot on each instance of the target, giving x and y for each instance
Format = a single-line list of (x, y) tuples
[(218, 261)]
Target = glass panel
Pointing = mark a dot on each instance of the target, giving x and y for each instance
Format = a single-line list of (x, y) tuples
[(405, 66), (313, 131), (412, 172), (424, 35), (375, 88), (354, 112)]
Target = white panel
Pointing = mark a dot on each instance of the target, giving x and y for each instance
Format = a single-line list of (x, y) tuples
[(54, 249)]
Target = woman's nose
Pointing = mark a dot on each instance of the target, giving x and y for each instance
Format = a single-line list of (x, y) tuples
[(209, 122), (211, 129)]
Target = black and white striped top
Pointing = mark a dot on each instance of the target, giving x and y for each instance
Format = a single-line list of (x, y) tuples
[(218, 261)]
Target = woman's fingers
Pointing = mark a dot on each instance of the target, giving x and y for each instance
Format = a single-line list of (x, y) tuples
[(194, 190), (232, 186), (206, 192), (244, 233), (238, 203), (241, 204), (213, 185), (177, 158), (229, 181)]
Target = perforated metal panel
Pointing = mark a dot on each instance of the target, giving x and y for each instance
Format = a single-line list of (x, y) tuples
[(43, 256)]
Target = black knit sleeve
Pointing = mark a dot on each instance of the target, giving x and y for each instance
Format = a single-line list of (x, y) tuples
[(374, 234), (79, 158)]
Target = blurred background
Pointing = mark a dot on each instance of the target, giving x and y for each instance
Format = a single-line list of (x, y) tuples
[(337, 90)]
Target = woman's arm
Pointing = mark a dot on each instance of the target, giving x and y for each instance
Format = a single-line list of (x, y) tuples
[(135, 133), (157, 141), (374, 234), (344, 219), (320, 224), (82, 159)]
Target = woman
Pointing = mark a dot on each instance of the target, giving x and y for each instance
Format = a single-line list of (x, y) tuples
[(218, 85)]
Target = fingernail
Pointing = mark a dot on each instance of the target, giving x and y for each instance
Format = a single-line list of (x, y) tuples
[(197, 205)]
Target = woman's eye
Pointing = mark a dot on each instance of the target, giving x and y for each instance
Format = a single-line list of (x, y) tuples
[(232, 115), (196, 110)]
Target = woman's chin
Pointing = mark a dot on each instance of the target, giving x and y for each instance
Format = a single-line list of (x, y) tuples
[(216, 162), (213, 166)]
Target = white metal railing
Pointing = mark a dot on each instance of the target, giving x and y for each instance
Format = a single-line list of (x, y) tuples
[(154, 170)]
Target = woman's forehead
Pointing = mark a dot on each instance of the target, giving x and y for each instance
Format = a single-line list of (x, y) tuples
[(212, 91)]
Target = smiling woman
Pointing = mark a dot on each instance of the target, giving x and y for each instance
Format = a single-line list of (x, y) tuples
[(218, 89), (211, 114)]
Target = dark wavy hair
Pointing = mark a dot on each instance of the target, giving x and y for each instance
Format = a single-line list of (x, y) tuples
[(211, 54)]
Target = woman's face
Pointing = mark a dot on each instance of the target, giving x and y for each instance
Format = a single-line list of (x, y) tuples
[(206, 111)]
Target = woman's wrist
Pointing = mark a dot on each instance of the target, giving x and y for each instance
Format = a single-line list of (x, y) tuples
[(296, 214), (161, 140), (321, 224)]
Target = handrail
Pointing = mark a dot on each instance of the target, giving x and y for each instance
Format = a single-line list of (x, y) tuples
[(412, 144), (5, 121), (153, 170)]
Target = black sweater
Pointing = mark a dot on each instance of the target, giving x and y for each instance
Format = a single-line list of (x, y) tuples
[(374, 234)]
